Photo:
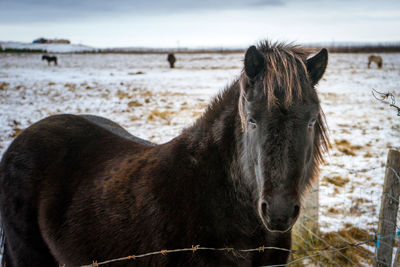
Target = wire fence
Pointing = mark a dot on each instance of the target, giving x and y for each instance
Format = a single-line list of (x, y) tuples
[(193, 249)]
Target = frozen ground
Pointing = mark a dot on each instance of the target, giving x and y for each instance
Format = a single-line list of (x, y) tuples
[(154, 102)]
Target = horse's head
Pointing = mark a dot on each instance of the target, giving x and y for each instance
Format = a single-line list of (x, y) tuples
[(283, 128)]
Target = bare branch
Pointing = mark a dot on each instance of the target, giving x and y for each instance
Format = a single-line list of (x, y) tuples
[(386, 98)]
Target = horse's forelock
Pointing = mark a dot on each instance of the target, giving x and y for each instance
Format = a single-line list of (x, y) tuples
[(285, 68)]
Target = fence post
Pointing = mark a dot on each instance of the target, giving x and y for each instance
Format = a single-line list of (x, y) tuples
[(388, 211), (396, 262)]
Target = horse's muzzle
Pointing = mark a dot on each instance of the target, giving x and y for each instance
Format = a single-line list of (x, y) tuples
[(278, 218)]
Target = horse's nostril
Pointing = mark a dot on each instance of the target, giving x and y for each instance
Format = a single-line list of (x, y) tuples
[(296, 211), (264, 208)]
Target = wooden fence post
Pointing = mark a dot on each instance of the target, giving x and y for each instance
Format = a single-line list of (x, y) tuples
[(388, 211), (396, 262)]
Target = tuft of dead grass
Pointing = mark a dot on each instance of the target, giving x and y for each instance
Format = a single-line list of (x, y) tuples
[(346, 148), (163, 115), (134, 118), (121, 94), (136, 73), (333, 210), (367, 155), (134, 103), (16, 132), (146, 94), (3, 85), (336, 180), (307, 244)]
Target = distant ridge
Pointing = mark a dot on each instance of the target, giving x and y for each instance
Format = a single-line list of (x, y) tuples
[(355, 47), (343, 47), (16, 47)]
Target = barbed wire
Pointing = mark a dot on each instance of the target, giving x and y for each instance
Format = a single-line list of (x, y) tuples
[(386, 98), (321, 252), (196, 248)]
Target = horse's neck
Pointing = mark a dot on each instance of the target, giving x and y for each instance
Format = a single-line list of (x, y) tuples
[(207, 157), (215, 131)]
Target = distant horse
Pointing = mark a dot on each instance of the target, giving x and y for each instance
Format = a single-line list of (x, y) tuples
[(171, 59), (50, 59), (376, 59), (77, 188)]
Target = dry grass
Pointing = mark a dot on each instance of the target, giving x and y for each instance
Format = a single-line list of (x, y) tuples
[(121, 94), (367, 155), (146, 94), (3, 85), (336, 180), (134, 103), (306, 241), (333, 210), (136, 73), (169, 94), (16, 132), (346, 148), (164, 115), (196, 114), (134, 118)]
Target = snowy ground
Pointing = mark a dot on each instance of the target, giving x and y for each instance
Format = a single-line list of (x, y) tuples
[(154, 102)]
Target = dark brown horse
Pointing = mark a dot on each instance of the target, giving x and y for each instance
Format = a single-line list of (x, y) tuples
[(50, 59), (171, 59), (79, 188)]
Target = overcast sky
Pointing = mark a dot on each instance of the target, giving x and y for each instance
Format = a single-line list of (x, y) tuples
[(199, 23)]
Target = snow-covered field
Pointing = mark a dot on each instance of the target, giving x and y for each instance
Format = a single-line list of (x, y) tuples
[(154, 102)]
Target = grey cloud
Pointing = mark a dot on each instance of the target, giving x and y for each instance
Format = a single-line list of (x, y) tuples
[(14, 11)]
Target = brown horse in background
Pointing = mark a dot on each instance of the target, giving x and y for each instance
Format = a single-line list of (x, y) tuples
[(77, 188), (376, 59)]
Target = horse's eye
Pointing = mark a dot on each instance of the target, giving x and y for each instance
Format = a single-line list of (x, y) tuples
[(252, 123), (312, 122)]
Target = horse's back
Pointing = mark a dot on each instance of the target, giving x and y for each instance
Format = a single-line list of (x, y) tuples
[(42, 170), (115, 128), (67, 141)]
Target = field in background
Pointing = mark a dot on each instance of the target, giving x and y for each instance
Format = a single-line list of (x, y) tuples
[(154, 102)]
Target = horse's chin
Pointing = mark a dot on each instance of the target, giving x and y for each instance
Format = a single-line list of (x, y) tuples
[(272, 230)]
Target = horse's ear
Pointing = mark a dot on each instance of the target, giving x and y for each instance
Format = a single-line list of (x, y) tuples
[(316, 65), (253, 62)]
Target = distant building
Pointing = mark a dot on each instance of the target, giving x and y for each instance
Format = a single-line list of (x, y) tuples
[(59, 41), (40, 41), (50, 41)]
